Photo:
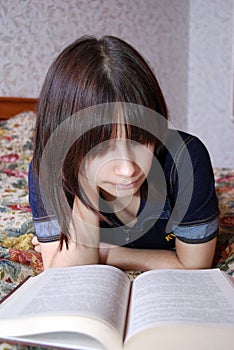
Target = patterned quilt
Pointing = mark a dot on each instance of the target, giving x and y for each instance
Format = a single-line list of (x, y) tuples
[(17, 257)]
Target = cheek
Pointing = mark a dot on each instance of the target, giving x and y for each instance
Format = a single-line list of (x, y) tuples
[(90, 170), (146, 166), (94, 169), (144, 159)]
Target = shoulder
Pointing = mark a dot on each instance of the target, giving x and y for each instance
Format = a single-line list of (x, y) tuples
[(185, 159), (178, 140), (184, 147)]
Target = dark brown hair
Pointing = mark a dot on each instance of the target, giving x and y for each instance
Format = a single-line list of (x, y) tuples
[(87, 73)]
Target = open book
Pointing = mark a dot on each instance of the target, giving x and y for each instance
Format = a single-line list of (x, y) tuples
[(97, 307)]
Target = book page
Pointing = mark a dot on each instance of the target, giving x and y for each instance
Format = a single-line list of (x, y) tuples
[(91, 291), (180, 297), (66, 340)]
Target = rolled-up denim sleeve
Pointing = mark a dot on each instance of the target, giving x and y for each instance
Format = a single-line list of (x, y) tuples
[(199, 233), (47, 228)]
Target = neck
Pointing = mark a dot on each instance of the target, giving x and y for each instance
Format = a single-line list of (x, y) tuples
[(125, 208)]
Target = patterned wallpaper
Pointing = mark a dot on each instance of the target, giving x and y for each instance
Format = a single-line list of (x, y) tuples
[(33, 32)]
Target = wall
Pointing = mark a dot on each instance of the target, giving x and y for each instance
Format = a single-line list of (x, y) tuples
[(33, 32), (187, 42), (210, 77)]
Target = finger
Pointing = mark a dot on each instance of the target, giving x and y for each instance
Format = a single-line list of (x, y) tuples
[(37, 248), (35, 241)]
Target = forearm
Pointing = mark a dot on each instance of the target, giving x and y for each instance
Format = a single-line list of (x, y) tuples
[(83, 241), (76, 255), (185, 256), (143, 259)]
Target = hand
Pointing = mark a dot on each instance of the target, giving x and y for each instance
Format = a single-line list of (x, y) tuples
[(36, 244), (104, 249), (84, 226), (90, 189)]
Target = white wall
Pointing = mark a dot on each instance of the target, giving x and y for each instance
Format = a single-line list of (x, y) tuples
[(173, 35), (210, 77)]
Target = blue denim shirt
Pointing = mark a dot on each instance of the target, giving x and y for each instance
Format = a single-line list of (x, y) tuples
[(195, 217)]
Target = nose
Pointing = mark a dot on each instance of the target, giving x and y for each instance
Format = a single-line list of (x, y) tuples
[(124, 168)]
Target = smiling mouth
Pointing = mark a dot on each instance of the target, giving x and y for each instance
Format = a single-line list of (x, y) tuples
[(124, 185)]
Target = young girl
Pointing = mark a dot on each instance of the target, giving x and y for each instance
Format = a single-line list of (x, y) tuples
[(110, 182)]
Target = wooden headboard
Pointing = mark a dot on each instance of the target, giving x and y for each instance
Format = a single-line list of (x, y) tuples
[(10, 106)]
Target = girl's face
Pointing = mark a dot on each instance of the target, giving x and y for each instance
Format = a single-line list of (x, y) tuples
[(118, 167)]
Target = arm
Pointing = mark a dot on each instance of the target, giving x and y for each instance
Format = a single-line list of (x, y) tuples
[(83, 245), (84, 229), (52, 256), (186, 256)]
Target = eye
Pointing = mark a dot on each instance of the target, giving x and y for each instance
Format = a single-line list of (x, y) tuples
[(139, 143), (100, 150)]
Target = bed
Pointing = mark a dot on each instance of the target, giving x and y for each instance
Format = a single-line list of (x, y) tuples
[(17, 257)]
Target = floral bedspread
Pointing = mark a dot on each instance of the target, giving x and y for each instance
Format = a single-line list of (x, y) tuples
[(17, 257)]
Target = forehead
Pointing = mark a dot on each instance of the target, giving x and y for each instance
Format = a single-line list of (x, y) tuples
[(121, 126)]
